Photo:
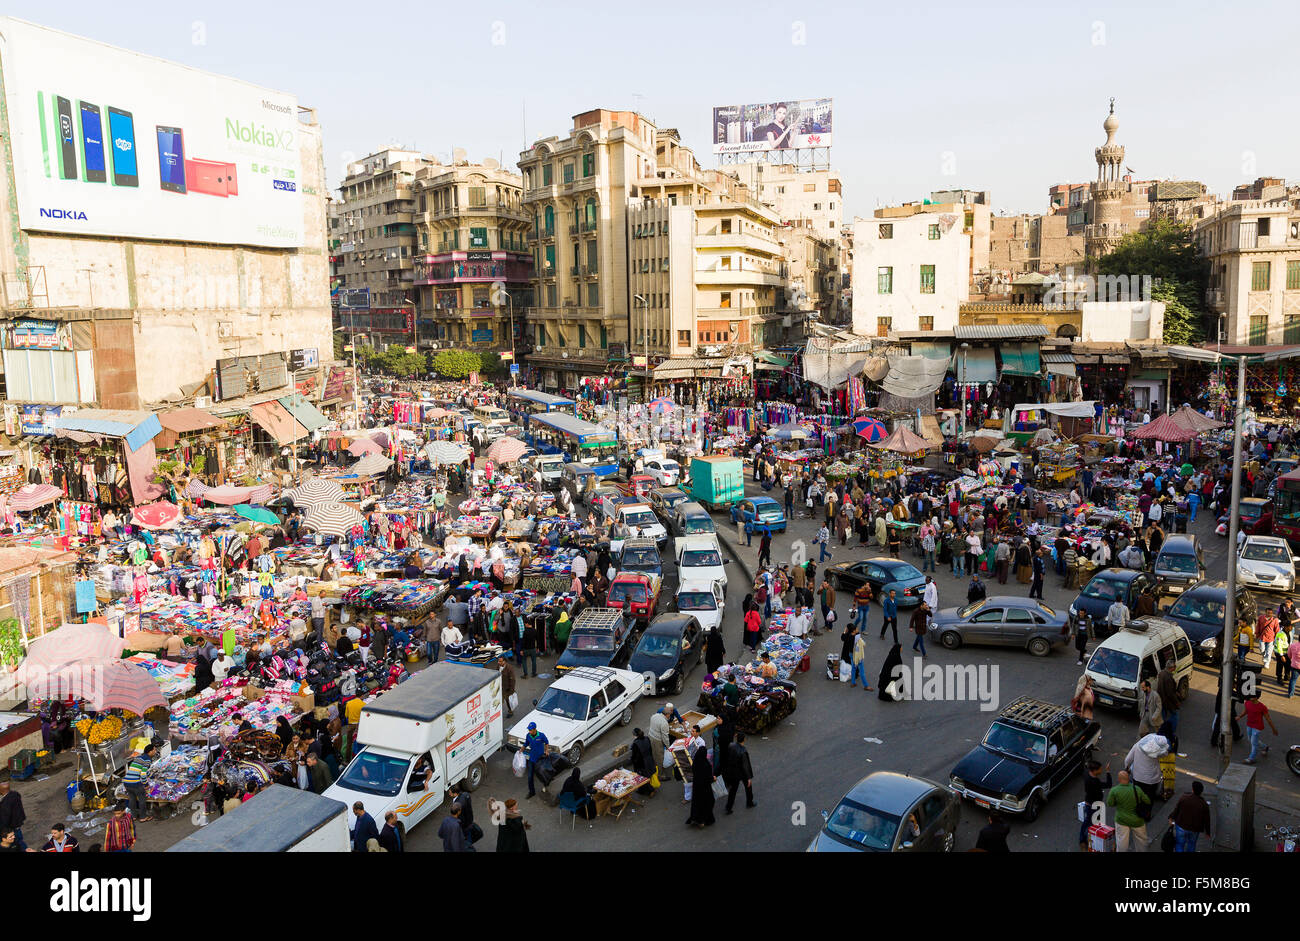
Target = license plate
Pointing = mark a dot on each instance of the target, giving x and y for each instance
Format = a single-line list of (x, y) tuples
[(981, 803), (1106, 699)]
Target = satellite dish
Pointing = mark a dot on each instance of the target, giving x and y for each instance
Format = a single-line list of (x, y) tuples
[(491, 163), (458, 155)]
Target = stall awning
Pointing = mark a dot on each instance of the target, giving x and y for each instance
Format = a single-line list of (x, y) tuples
[(185, 420), (1059, 364), (1115, 359), (306, 413), (931, 349), (1020, 359), (773, 359), (277, 422), (136, 427), (975, 365)]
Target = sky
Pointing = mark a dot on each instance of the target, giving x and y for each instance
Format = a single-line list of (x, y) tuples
[(1007, 97)]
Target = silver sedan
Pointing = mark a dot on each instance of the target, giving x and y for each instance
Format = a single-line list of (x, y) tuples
[(1004, 621)]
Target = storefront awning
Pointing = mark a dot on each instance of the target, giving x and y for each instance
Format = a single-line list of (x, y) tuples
[(306, 413), (1020, 359), (277, 422), (975, 365), (1115, 359), (185, 420), (136, 427), (773, 359), (931, 349)]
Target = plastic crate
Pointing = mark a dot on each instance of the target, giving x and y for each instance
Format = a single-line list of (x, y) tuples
[(22, 760)]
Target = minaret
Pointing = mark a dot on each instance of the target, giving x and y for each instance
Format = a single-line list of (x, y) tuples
[(1103, 233)]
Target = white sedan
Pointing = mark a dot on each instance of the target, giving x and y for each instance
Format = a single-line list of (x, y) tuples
[(1266, 562), (706, 601), (699, 558), (579, 707), (665, 471)]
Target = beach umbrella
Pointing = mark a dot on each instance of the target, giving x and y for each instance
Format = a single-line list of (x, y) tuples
[(34, 496), (229, 496), (73, 643), (869, 429), (902, 440), (316, 490), (506, 450), (446, 452), (789, 431), (257, 514), (660, 405), (364, 446), (160, 515), (331, 519), (370, 465)]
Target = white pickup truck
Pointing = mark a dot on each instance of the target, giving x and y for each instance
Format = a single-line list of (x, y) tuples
[(417, 739)]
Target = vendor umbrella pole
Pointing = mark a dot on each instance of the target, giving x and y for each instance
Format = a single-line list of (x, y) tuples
[(94, 775), (1226, 644)]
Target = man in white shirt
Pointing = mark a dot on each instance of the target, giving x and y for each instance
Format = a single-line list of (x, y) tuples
[(798, 625), (1155, 513), (221, 667), (931, 593), (580, 567), (1117, 616)]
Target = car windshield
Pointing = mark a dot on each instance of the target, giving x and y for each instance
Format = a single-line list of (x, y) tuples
[(698, 524), (1104, 589), (662, 646), (701, 557), (375, 774), (1198, 608), (668, 465), (620, 590), (1019, 743), (640, 558), (864, 826), (1182, 564), (563, 702), (1251, 511), (769, 511), (901, 571), (697, 601), (1260, 552), (640, 518), (971, 608), (1106, 661), (593, 640)]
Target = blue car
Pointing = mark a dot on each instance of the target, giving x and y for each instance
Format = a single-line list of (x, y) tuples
[(761, 514)]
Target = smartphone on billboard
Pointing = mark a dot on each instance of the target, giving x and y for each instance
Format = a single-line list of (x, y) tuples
[(94, 168), (171, 159), (67, 138), (121, 131)]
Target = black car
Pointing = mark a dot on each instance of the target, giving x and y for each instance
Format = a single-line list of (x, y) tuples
[(883, 573), (1029, 752), (641, 555), (1199, 612), (889, 812), (669, 649), (1104, 589), (600, 637), (664, 500)]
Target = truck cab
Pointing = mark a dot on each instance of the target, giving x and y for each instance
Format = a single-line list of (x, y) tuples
[(551, 467)]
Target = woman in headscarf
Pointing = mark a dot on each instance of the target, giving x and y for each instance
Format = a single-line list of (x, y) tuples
[(512, 835), (573, 785), (714, 650), (284, 732), (1023, 560), (893, 659), (1083, 697), (702, 793)]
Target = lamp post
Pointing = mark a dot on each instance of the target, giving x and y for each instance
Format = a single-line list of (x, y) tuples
[(1227, 639), (645, 327), (965, 349)]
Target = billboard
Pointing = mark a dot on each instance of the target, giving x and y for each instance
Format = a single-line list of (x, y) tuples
[(776, 125), (111, 142)]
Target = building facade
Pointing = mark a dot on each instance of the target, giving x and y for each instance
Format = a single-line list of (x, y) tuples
[(473, 273), (813, 198)]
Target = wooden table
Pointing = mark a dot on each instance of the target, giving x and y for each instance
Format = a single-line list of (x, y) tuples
[(615, 802)]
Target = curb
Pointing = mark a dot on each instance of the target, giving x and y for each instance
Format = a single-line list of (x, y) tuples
[(732, 551)]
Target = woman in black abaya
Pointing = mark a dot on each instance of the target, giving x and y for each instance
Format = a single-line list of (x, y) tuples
[(893, 659), (702, 792), (714, 650)]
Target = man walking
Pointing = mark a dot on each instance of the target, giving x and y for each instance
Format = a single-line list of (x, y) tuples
[(920, 623), (1191, 818), (1130, 826), (1117, 616), (930, 594), (534, 746), (927, 546), (1036, 585), (1256, 714), (765, 549), (862, 602), (890, 609), (736, 771)]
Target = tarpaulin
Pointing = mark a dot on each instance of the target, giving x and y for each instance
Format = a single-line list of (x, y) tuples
[(304, 412), (1020, 359), (975, 365), (184, 420), (141, 464), (932, 349), (136, 427), (831, 369), (914, 376), (277, 422)]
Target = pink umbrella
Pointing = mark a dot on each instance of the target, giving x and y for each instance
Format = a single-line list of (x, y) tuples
[(160, 515), (34, 496), (229, 496), (73, 643), (364, 446), (113, 684), (506, 450)]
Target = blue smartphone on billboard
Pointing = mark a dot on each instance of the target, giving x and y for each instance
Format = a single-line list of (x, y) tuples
[(92, 143), (171, 159), (121, 131)]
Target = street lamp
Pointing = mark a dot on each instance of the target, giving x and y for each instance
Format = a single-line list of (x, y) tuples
[(645, 306), (965, 349), (510, 305)]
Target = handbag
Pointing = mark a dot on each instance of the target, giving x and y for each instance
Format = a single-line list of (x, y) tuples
[(475, 833), (719, 788), (1168, 841)]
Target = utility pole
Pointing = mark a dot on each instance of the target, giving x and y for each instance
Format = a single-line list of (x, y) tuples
[(1226, 640), (965, 348)]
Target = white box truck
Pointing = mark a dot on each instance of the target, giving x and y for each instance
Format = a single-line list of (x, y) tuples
[(277, 820), (419, 738)]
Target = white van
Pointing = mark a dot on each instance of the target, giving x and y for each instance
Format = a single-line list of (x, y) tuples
[(419, 738), (490, 414), (1136, 653)]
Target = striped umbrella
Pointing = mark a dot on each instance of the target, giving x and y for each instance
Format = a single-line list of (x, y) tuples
[(73, 643), (662, 404), (160, 515), (228, 495), (506, 450), (332, 519), (446, 452), (364, 446), (34, 496), (870, 429), (317, 490), (369, 465), (122, 685)]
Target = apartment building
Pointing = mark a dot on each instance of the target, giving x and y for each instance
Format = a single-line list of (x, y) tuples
[(739, 274), (812, 198), (1253, 247), (812, 291), (373, 247), (1027, 243), (474, 268)]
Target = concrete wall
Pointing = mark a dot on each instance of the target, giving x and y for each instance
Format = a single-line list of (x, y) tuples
[(906, 252)]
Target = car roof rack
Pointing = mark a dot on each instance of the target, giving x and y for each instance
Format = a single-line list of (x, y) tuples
[(593, 674), (598, 619), (1034, 713)]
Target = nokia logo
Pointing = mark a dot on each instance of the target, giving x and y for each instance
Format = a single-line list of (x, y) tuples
[(75, 214)]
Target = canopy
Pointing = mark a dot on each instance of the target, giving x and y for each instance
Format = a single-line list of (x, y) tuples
[(913, 376), (184, 420), (277, 422), (317, 490), (1164, 428), (332, 519), (160, 515), (903, 440), (982, 444), (73, 643), (975, 365), (788, 431), (115, 684), (257, 514), (506, 450), (1020, 359), (304, 412), (34, 496), (1190, 418), (1086, 409), (364, 446), (370, 465), (933, 349), (661, 405), (446, 452), (228, 495), (135, 426)]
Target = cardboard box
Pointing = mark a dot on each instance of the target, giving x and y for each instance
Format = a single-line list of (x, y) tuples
[(1101, 838)]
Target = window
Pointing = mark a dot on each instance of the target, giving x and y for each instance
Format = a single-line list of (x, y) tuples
[(550, 259), (1259, 276), (477, 197), (1262, 226), (886, 230), (593, 295), (548, 174), (927, 323), (725, 228), (969, 220), (541, 334), (724, 299), (582, 337), (810, 187), (1259, 330), (927, 279), (1293, 275), (567, 171), (588, 164), (817, 207), (478, 237), (882, 326), (830, 207), (604, 338), (884, 280), (683, 338), (1291, 328), (933, 234), (591, 256), (549, 215), (550, 295)]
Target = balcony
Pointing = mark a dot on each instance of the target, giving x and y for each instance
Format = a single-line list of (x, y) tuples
[(541, 235), (1215, 299), (569, 313), (589, 227), (743, 277), (745, 241), (589, 271), (570, 355), (545, 191)]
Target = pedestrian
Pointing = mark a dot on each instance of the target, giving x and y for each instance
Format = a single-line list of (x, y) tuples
[(822, 540), (737, 770), (512, 831), (889, 607), (60, 841), (1094, 787), (827, 595), (919, 624), (930, 593), (119, 833), (363, 829), (702, 779), (1167, 690), (460, 797), (993, 838), (1023, 560), (452, 833), (1191, 818), (893, 660), (859, 660), (753, 627), (1084, 698), (528, 644), (1148, 707), (1292, 659), (393, 836), (1256, 714), (975, 591), (927, 547), (1081, 637), (12, 815), (534, 746), (1143, 763), (1036, 585), (661, 735), (765, 548), (1130, 803), (862, 602)]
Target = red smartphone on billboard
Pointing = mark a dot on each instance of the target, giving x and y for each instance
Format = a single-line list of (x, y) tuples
[(211, 177)]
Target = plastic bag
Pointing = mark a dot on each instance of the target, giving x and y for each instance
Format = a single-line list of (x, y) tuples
[(513, 701), (846, 671), (520, 764)]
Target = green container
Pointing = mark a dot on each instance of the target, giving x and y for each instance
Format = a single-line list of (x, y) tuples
[(717, 481)]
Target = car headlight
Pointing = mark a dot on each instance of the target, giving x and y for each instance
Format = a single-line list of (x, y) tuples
[(1011, 798), (1210, 642), (667, 674), (1073, 613)]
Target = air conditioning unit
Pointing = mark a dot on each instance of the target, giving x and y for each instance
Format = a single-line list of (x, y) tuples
[(202, 401)]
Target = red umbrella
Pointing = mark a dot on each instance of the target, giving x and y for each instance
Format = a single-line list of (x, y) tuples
[(114, 684), (363, 446), (34, 496), (1165, 429), (160, 515)]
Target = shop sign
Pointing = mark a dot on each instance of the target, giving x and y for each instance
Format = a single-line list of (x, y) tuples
[(39, 419)]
